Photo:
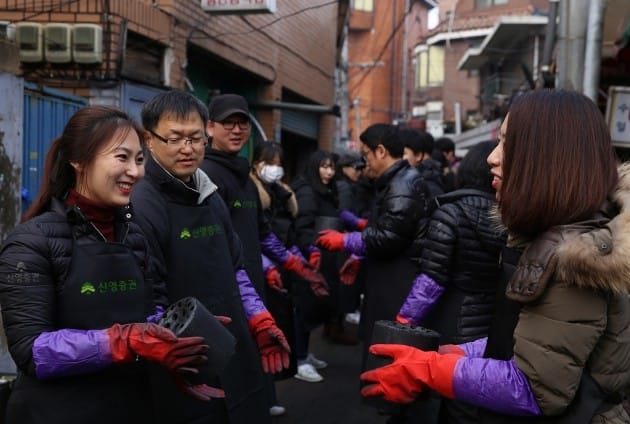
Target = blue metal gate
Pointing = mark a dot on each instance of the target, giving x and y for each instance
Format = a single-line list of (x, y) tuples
[(46, 112)]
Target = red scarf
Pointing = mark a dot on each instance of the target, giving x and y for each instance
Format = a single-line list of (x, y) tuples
[(100, 215)]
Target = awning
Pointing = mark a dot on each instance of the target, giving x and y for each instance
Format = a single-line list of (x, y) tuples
[(508, 32)]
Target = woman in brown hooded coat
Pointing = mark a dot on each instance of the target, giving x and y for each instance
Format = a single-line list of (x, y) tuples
[(560, 349)]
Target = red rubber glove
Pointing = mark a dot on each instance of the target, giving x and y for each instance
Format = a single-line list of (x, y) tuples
[(451, 348), (304, 270), (411, 372), (362, 224), (273, 346), (402, 320), (274, 280), (315, 260), (201, 392), (349, 270), (155, 343), (330, 240)]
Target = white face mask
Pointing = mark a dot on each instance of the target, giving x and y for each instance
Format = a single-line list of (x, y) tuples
[(271, 173)]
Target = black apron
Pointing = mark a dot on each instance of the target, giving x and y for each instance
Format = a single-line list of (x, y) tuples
[(104, 286), (200, 265), (387, 284)]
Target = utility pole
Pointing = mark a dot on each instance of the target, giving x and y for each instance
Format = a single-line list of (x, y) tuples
[(593, 56), (571, 44)]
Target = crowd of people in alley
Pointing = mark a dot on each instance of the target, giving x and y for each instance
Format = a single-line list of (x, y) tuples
[(514, 256)]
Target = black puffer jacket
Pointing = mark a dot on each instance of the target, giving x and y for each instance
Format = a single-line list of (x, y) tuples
[(398, 219), (393, 243), (431, 171), (43, 246), (461, 252)]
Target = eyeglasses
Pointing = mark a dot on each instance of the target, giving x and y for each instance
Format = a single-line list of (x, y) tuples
[(179, 141), (229, 125)]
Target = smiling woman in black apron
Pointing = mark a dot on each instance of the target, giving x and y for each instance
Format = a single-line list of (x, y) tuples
[(75, 290)]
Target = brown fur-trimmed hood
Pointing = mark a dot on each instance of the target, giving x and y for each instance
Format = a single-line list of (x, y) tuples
[(265, 199), (594, 254)]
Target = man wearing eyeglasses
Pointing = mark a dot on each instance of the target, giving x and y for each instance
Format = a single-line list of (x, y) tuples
[(199, 254), (229, 128)]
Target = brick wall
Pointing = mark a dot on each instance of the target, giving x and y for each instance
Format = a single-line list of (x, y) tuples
[(293, 49)]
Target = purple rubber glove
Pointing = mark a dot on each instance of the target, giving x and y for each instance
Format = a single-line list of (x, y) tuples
[(423, 295), (495, 385), (252, 304), (296, 251), (274, 249), (159, 311), (353, 243), (352, 221)]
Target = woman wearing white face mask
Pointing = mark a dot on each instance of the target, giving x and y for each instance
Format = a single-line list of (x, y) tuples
[(270, 173)]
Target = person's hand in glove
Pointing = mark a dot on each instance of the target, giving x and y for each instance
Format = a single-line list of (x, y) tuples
[(424, 294), (349, 270), (305, 271), (155, 343), (201, 392), (352, 221), (492, 384), (315, 259), (331, 240), (273, 346), (412, 371), (274, 280)]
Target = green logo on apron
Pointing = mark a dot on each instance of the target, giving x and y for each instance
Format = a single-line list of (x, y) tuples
[(201, 232), (88, 289), (113, 286)]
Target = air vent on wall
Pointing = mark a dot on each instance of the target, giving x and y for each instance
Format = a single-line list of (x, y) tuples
[(57, 43), (29, 38), (87, 43)]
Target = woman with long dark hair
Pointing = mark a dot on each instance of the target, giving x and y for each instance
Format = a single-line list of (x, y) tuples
[(559, 347), (76, 286), (318, 209)]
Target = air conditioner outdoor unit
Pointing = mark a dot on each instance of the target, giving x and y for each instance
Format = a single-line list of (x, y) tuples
[(7, 30), (57, 43), (87, 43), (29, 37)]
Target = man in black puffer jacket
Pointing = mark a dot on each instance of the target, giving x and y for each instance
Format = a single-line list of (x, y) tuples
[(391, 242)]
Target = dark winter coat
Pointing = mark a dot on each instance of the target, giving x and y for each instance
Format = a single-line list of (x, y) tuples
[(280, 208), (159, 198), (393, 243), (316, 212), (461, 252), (431, 171), (354, 196), (39, 254), (230, 173), (571, 289)]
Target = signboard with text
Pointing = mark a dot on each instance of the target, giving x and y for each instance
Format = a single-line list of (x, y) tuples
[(239, 6), (618, 115)]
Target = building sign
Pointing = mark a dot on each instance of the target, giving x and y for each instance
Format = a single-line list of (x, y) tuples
[(618, 115), (239, 6)]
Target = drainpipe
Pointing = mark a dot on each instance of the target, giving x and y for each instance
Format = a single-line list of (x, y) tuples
[(403, 73), (592, 56), (392, 76)]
